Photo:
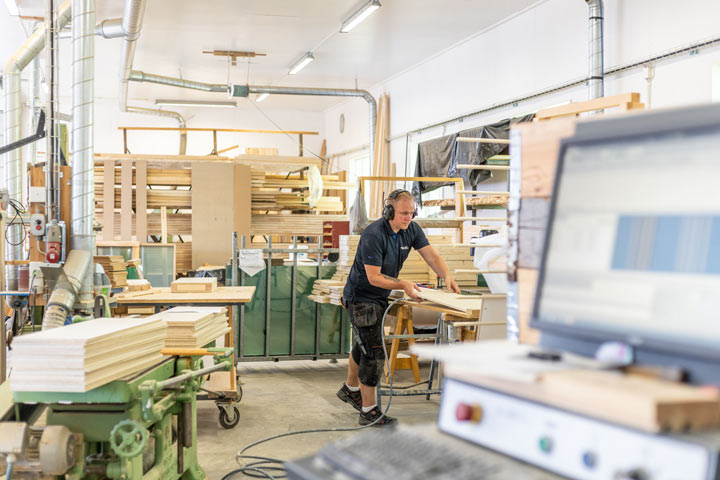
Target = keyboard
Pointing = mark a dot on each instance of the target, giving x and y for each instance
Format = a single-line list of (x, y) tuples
[(391, 454)]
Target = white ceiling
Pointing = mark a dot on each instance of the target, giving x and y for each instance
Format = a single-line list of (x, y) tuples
[(175, 32)]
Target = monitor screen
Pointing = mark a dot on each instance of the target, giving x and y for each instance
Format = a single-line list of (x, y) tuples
[(633, 245)]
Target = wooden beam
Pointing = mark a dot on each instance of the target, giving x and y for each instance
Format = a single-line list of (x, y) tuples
[(141, 200), (163, 224), (126, 194), (625, 101), (109, 200), (160, 158), (234, 130), (482, 192), (465, 166), (483, 140)]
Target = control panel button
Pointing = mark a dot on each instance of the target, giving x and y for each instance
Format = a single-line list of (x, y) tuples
[(546, 444), (589, 459), (468, 413)]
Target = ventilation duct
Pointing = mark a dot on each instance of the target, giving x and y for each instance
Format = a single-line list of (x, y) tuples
[(595, 54), (13, 128), (131, 25), (245, 90)]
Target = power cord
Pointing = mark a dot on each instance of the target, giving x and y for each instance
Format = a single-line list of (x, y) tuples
[(19, 211), (260, 466)]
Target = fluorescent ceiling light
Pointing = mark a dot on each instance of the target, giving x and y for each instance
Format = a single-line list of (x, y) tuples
[(302, 63), (365, 11), (261, 97), (196, 103), (12, 8)]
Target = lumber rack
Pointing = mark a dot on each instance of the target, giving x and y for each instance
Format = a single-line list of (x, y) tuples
[(215, 131), (238, 279)]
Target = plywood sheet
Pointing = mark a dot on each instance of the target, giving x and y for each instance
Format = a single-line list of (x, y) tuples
[(452, 300), (221, 205), (223, 295)]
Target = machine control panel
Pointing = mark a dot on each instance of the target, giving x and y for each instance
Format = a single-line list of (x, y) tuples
[(37, 224), (566, 443)]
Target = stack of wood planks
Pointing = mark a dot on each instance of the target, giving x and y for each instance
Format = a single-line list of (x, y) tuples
[(193, 327), (273, 192), (115, 269), (414, 269), (83, 356), (194, 285)]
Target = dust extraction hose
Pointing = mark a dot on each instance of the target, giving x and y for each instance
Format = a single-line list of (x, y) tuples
[(65, 292)]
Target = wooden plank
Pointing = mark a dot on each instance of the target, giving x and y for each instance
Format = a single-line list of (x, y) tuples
[(527, 283), (138, 285), (539, 148), (109, 200), (194, 285), (242, 200), (235, 130), (623, 101), (649, 404), (213, 218), (141, 200), (163, 225), (452, 300), (277, 162), (223, 295), (126, 202), (261, 151), (501, 141)]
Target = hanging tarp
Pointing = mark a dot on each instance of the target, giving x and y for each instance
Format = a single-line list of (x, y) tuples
[(439, 157)]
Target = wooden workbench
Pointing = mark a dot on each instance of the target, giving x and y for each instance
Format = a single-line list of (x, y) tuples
[(160, 297)]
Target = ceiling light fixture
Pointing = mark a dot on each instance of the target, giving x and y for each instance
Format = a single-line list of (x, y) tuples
[(261, 97), (12, 8), (363, 12), (196, 103), (302, 63)]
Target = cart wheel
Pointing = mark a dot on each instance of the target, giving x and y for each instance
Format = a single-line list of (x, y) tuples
[(229, 422), (240, 393)]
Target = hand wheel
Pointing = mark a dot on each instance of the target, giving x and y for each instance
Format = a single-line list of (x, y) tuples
[(128, 438)]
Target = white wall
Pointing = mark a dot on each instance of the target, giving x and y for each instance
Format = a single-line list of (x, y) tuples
[(541, 47)]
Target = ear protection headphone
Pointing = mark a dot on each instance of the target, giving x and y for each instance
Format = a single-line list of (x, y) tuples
[(388, 212)]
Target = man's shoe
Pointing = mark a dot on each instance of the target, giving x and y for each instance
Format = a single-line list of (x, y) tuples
[(375, 414), (353, 398)]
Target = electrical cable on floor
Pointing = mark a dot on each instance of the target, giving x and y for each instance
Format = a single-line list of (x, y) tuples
[(258, 468)]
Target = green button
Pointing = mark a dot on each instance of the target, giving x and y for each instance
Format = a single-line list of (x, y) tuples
[(545, 444)]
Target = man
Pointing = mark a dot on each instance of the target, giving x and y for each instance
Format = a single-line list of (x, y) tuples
[(384, 246)]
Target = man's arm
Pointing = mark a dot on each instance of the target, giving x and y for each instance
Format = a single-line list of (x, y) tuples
[(381, 280), (439, 266)]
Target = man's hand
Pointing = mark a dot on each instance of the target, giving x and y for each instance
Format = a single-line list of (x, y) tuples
[(411, 289), (451, 284)]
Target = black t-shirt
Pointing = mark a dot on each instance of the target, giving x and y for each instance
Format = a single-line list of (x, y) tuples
[(381, 247)]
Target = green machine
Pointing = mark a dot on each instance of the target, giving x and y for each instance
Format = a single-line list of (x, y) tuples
[(141, 427)]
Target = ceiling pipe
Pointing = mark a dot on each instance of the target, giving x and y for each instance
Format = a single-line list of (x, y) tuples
[(82, 187), (13, 131), (245, 90), (596, 80), (110, 28), (131, 25)]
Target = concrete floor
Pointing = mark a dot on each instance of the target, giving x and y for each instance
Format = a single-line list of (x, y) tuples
[(281, 397)]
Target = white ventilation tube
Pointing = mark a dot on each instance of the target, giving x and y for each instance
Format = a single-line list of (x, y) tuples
[(131, 26), (13, 128), (595, 53)]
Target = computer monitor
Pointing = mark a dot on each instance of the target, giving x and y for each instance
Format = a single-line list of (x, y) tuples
[(632, 251)]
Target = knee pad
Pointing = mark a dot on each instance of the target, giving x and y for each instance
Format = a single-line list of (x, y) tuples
[(356, 354), (371, 367)]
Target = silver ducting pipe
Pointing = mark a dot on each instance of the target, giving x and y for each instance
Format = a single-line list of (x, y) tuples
[(131, 25), (595, 80), (330, 92), (138, 76), (82, 235), (66, 289), (13, 132), (110, 28)]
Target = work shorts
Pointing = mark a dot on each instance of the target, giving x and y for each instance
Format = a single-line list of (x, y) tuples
[(367, 351)]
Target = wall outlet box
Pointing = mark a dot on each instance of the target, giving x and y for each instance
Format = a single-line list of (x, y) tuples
[(37, 194)]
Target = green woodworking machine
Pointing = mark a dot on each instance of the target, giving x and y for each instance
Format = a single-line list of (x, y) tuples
[(140, 427)]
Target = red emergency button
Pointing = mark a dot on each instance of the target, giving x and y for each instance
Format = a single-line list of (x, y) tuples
[(468, 413)]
